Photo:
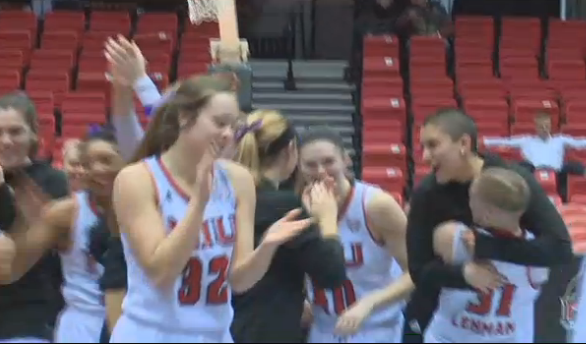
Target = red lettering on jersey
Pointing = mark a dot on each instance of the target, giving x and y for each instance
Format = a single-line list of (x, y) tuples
[(485, 328), (191, 283), (357, 258), (224, 237), (320, 299), (485, 302), (343, 297), (207, 235)]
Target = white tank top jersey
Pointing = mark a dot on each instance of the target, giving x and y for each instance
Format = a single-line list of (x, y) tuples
[(369, 267), (81, 271), (505, 315), (200, 300)]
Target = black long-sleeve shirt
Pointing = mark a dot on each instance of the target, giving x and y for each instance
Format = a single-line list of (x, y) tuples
[(433, 203), (271, 310), (30, 305)]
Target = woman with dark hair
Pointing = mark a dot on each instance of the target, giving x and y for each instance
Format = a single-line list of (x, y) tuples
[(367, 307), (78, 227), (30, 304), (449, 140)]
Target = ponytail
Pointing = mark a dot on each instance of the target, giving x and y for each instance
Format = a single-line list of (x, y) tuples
[(248, 155)]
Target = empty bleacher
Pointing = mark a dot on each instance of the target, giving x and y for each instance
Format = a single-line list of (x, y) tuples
[(61, 65), (500, 72)]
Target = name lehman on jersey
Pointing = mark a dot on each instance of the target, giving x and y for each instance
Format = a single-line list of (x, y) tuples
[(482, 327)]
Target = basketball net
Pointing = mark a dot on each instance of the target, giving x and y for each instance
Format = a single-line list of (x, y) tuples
[(203, 10), (230, 48)]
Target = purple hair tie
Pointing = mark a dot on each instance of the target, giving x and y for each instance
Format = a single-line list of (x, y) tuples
[(252, 127), (151, 109), (95, 129)]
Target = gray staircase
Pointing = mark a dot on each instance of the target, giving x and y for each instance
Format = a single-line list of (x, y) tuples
[(322, 96)]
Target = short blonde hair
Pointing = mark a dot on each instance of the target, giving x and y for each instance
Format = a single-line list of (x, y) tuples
[(504, 189)]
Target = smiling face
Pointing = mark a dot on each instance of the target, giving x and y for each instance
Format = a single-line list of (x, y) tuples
[(16, 139), (446, 156), (102, 162), (214, 123), (321, 159)]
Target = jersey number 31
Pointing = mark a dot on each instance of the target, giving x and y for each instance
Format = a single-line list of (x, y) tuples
[(484, 305)]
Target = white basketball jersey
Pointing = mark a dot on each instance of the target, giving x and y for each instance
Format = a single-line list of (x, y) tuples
[(81, 271), (200, 299), (505, 315), (369, 267)]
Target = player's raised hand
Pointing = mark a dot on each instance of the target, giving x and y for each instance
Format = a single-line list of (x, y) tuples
[(204, 175), (127, 64), (286, 228)]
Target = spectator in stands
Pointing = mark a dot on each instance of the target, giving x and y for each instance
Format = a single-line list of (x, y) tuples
[(545, 150), (374, 17), (424, 18)]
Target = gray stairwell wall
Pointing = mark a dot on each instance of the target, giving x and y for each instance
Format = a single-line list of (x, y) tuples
[(322, 97)]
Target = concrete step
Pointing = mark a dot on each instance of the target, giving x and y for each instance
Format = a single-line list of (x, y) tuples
[(316, 119), (303, 87), (315, 66), (308, 108), (294, 97)]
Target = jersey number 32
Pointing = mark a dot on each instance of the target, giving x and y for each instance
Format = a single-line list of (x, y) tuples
[(216, 292)]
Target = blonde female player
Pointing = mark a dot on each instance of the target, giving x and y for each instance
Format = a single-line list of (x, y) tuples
[(503, 310), (371, 227), (179, 210)]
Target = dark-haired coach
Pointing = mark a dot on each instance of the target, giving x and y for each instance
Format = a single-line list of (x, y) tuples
[(449, 141)]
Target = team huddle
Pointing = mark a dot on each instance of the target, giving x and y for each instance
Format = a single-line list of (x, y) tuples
[(182, 199)]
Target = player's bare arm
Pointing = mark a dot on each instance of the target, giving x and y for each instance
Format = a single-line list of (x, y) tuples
[(388, 222), (163, 255), (51, 230)]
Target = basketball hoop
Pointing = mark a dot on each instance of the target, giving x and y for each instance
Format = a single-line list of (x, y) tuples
[(203, 10), (229, 46)]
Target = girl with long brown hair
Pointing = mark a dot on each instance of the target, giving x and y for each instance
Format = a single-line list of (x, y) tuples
[(186, 220)]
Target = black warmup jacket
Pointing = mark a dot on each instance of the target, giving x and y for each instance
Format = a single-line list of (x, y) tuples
[(29, 306), (433, 203)]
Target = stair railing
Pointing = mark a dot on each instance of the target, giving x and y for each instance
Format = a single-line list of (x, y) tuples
[(291, 33)]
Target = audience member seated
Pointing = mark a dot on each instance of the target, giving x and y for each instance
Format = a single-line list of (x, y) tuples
[(424, 18), (545, 150)]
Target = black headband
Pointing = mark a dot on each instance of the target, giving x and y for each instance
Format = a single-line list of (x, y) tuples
[(282, 141)]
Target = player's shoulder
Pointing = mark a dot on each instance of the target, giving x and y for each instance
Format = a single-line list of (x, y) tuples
[(235, 170), (136, 178), (239, 175)]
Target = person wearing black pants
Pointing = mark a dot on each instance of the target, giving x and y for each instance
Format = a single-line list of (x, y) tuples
[(449, 138)]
